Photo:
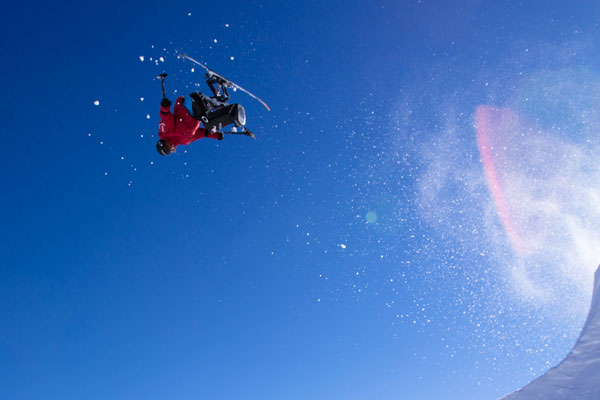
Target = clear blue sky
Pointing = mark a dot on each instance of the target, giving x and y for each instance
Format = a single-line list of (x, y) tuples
[(313, 263)]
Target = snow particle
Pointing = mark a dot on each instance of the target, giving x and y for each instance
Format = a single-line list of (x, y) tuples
[(96, 102), (343, 246), (147, 116), (141, 99), (162, 59), (215, 40), (142, 58), (232, 58)]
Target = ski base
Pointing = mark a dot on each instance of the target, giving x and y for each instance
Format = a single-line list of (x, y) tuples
[(245, 132)]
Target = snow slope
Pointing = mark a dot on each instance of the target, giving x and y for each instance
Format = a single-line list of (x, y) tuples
[(578, 375)]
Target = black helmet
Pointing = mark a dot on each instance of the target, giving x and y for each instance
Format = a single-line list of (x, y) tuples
[(163, 147)]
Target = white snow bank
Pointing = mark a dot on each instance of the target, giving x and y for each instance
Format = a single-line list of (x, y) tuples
[(578, 375)]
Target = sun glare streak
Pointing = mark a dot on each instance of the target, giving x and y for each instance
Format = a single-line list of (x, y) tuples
[(483, 115)]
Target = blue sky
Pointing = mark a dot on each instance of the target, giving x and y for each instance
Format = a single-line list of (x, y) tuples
[(351, 252)]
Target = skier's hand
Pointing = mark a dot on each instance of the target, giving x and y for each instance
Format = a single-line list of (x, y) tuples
[(165, 102)]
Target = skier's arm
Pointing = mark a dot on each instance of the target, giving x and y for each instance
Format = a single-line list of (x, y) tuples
[(179, 110), (167, 122), (213, 135), (182, 114)]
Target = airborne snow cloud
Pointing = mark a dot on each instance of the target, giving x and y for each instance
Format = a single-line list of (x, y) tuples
[(549, 176)]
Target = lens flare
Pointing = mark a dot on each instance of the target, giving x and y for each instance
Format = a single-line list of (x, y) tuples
[(488, 120), (371, 217)]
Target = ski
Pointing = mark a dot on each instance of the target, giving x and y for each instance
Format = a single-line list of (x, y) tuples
[(245, 133), (227, 82)]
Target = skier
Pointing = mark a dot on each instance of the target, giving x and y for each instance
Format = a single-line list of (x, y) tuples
[(179, 127)]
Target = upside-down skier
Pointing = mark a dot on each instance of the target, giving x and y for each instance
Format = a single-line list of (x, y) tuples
[(214, 112)]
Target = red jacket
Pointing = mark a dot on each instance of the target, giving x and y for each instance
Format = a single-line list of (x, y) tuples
[(180, 128)]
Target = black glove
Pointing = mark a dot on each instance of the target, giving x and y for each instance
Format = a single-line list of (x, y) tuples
[(165, 102), (220, 136)]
